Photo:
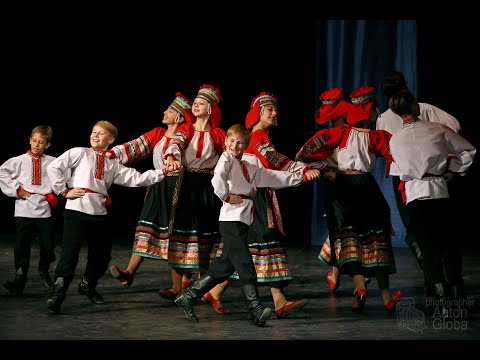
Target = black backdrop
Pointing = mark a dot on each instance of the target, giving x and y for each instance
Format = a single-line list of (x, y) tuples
[(69, 73)]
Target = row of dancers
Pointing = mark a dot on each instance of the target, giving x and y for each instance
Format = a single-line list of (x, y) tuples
[(211, 207)]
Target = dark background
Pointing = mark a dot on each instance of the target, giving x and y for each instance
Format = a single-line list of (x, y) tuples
[(70, 72)]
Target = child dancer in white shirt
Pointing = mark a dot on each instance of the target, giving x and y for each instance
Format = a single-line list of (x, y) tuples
[(235, 182), (423, 151), (24, 177), (83, 176)]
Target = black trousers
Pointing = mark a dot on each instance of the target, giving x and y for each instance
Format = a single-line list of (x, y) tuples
[(235, 255), (95, 231), (403, 212), (26, 231), (441, 250)]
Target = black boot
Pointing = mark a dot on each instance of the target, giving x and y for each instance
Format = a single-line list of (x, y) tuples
[(428, 288), (47, 257), (415, 249), (87, 287), (16, 286), (460, 303), (59, 289), (252, 299), (45, 277), (187, 299), (458, 291), (441, 300)]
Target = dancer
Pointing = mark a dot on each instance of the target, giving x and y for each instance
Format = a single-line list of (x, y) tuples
[(195, 150), (422, 150), (332, 108), (392, 83), (266, 238), (235, 182), (24, 177), (151, 238), (364, 247), (83, 176)]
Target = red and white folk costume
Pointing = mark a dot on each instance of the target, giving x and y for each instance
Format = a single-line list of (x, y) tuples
[(195, 236), (332, 108), (91, 170), (362, 213), (85, 218), (234, 176), (33, 215), (28, 171), (266, 237), (152, 231), (421, 164), (423, 152)]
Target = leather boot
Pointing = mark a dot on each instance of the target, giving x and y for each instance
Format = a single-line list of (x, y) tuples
[(441, 297), (17, 284), (458, 291), (415, 249), (460, 302), (87, 287), (187, 299), (57, 296), (428, 288), (252, 300), (45, 277)]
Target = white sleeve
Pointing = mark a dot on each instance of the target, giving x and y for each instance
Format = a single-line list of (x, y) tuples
[(9, 172), (463, 150), (130, 177), (434, 114), (277, 179), (220, 176)]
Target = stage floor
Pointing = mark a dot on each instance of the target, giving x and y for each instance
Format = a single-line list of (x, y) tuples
[(139, 313)]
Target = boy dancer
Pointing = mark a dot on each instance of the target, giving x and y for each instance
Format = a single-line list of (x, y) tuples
[(235, 182), (83, 176), (24, 177)]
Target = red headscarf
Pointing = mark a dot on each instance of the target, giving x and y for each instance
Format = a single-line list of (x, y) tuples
[(258, 102), (363, 101), (332, 105)]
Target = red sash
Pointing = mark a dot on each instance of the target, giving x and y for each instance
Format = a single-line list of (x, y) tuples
[(401, 188), (108, 201), (52, 200)]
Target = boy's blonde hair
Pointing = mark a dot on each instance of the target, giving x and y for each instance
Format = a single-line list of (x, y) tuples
[(44, 130), (108, 126), (240, 131)]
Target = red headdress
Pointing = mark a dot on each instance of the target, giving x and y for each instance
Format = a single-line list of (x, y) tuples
[(258, 102), (212, 95), (332, 105), (363, 101)]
